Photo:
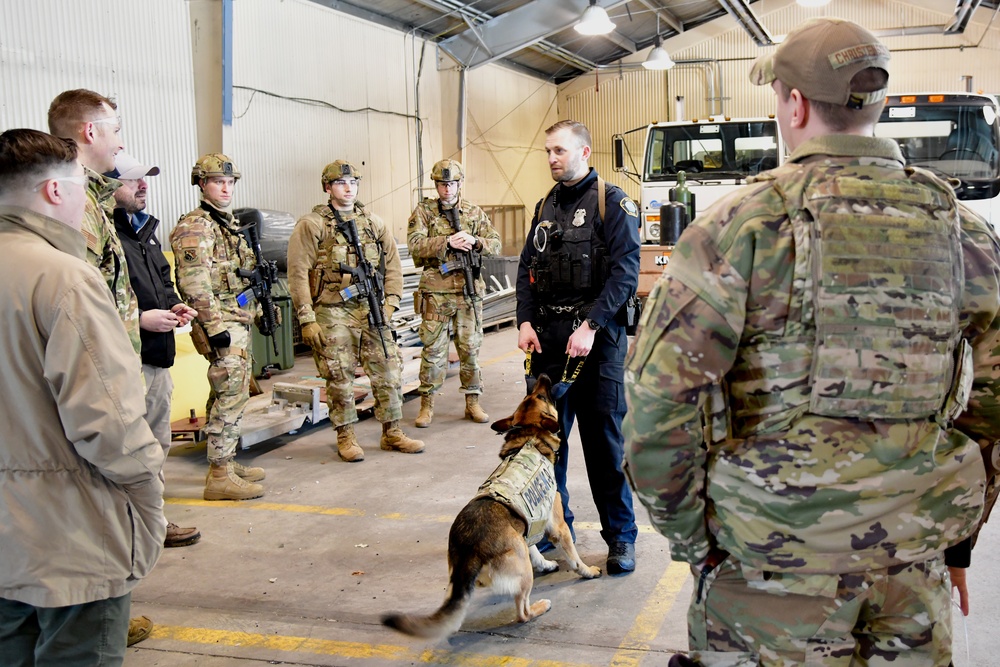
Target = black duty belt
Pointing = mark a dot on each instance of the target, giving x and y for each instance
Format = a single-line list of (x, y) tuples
[(572, 312)]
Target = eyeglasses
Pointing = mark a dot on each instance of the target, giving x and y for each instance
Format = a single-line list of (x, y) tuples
[(110, 119), (346, 181), (81, 180)]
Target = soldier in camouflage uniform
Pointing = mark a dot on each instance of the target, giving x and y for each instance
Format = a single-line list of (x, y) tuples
[(793, 387), (442, 232), (339, 329), (208, 252), (92, 122)]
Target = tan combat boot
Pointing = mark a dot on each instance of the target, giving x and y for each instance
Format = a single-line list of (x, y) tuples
[(249, 474), (347, 444), (139, 628), (222, 483), (393, 438), (473, 411), (426, 411)]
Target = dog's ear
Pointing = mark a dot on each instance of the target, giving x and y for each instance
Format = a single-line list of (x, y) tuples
[(549, 424), (511, 447), (502, 425)]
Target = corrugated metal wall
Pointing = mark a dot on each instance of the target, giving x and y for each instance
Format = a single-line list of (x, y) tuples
[(636, 96), (48, 46), (360, 78), (351, 81), (505, 151)]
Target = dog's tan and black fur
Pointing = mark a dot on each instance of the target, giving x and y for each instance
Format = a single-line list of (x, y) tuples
[(486, 544)]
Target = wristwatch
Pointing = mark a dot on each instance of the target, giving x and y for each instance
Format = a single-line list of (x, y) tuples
[(593, 325)]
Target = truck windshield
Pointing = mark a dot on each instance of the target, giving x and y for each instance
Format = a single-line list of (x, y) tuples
[(957, 136), (714, 149)]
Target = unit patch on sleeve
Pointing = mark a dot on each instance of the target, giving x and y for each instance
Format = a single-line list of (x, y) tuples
[(629, 207)]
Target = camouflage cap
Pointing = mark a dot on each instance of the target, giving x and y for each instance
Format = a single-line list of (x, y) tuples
[(820, 58), (338, 169), (213, 164), (447, 171)]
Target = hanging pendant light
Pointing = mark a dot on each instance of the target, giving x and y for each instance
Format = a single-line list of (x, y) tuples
[(658, 57), (594, 21)]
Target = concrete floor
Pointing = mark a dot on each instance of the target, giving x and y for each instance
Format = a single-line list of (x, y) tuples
[(302, 575)]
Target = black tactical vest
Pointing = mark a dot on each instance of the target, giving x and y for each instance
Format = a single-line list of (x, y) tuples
[(571, 263)]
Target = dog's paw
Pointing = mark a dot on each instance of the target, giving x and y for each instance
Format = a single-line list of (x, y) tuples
[(545, 566), (590, 572)]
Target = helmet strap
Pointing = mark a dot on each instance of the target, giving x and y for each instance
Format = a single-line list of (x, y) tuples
[(223, 209)]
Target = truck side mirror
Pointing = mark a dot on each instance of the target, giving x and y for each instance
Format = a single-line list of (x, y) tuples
[(619, 145)]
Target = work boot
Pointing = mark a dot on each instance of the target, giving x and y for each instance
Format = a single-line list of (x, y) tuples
[(473, 411), (222, 483), (180, 537), (621, 558), (138, 629), (249, 474), (426, 411), (347, 444), (393, 438)]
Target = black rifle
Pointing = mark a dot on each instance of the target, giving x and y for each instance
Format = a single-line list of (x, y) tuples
[(261, 277), (366, 282), (469, 262)]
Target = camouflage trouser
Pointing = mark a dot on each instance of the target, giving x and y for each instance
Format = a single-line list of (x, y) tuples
[(229, 383), (348, 339), (439, 309), (900, 615)]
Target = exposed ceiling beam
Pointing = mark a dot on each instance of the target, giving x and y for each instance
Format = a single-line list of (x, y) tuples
[(664, 15), (963, 13), (517, 29), (740, 10), (475, 20)]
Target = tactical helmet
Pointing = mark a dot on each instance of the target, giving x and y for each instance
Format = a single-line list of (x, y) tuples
[(339, 169), (213, 164), (446, 171)]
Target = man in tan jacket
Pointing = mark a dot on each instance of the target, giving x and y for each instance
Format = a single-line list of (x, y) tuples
[(81, 502)]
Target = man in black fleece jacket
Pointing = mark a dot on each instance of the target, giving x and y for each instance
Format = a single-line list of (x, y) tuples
[(160, 309)]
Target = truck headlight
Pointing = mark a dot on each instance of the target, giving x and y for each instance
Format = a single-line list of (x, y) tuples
[(653, 230)]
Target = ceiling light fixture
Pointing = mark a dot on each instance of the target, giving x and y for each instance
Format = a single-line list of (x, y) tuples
[(658, 57), (594, 21), (812, 3)]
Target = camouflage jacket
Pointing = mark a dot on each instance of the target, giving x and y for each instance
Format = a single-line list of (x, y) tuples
[(427, 239), (791, 490), (316, 246), (207, 255), (104, 250)]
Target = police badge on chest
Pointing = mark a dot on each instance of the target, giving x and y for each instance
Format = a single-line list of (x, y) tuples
[(580, 217)]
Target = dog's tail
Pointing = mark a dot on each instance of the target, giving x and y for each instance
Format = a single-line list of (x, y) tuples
[(446, 620)]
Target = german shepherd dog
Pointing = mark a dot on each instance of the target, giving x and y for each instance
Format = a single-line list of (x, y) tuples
[(486, 544)]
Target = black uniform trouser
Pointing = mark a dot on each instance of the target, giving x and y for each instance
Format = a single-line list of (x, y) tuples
[(597, 400)]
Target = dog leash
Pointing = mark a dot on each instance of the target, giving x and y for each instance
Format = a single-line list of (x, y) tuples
[(560, 388)]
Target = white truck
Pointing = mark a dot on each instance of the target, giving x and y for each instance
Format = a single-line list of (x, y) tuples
[(952, 134), (717, 154)]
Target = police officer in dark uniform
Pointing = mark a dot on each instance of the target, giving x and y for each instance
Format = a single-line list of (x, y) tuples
[(578, 269)]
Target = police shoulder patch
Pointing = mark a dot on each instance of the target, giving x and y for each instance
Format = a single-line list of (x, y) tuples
[(629, 207)]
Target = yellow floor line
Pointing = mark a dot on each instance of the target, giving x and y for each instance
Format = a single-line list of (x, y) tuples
[(502, 357), (344, 649), (647, 624), (344, 511)]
